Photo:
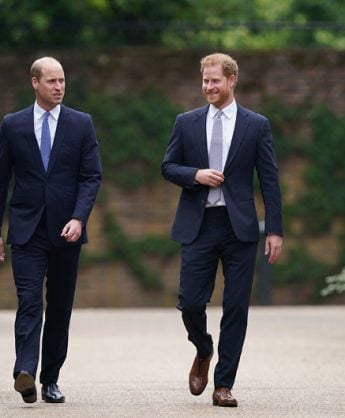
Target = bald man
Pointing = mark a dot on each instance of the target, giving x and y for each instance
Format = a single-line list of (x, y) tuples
[(52, 153)]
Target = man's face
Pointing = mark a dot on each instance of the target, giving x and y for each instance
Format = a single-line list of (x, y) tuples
[(217, 88), (50, 88)]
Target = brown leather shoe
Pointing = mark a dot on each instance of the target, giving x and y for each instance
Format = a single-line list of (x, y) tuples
[(223, 397), (198, 375), (25, 385)]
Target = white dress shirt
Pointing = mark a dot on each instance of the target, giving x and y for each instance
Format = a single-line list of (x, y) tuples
[(52, 121), (229, 120)]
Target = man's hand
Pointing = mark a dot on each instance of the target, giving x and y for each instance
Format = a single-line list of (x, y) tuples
[(209, 177), (72, 230), (273, 247), (2, 251)]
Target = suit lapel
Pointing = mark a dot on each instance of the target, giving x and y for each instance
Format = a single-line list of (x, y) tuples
[(200, 135), (239, 132), (59, 136)]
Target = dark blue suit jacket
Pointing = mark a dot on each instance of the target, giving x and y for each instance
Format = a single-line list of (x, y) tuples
[(67, 190), (251, 148)]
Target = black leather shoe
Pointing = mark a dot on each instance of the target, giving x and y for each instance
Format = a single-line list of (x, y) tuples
[(25, 385), (52, 394)]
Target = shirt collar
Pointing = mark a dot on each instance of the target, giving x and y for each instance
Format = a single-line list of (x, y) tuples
[(229, 111), (54, 112)]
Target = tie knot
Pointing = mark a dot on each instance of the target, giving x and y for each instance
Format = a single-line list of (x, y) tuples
[(46, 115), (219, 114)]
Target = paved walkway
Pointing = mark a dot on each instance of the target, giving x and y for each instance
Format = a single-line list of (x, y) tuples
[(134, 363)]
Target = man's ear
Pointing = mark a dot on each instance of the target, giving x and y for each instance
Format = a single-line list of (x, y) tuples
[(34, 82)]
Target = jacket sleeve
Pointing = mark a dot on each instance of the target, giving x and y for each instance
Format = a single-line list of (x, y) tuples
[(5, 170), (267, 169), (90, 174), (173, 167)]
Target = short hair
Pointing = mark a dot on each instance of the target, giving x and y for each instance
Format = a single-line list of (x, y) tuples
[(228, 64), (36, 67)]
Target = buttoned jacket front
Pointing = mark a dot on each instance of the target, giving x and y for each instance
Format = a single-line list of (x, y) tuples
[(251, 149)]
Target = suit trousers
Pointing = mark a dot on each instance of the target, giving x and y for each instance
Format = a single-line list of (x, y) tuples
[(199, 262), (31, 263)]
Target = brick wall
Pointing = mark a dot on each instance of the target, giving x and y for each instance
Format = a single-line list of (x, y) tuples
[(291, 76)]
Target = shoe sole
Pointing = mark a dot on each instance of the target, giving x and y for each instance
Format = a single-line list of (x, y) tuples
[(25, 385), (49, 400), (228, 404)]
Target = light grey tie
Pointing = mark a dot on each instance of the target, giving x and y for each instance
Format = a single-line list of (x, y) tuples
[(216, 154), (45, 141)]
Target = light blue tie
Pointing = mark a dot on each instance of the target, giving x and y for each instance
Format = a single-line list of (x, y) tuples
[(45, 141), (216, 154)]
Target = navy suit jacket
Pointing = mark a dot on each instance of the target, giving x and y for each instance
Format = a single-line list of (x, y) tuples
[(251, 148), (67, 190)]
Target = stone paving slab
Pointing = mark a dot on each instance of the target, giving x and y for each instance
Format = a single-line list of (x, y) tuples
[(135, 363)]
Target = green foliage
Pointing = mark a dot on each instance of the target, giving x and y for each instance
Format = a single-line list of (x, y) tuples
[(324, 198), (41, 23), (286, 123), (341, 238), (139, 22), (300, 266), (334, 284), (127, 251), (231, 24), (157, 245), (85, 23), (132, 252), (133, 130), (316, 134)]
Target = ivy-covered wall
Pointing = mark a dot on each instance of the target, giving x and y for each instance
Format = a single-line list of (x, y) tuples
[(134, 96)]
